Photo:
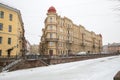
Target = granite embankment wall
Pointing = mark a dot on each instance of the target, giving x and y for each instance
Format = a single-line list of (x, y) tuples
[(38, 62)]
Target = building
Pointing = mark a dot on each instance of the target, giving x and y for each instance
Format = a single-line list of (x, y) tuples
[(34, 49), (62, 37), (11, 32), (28, 46), (114, 48), (105, 49), (111, 48)]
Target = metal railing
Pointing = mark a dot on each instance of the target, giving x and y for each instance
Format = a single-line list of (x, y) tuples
[(51, 39), (11, 64), (1, 57), (11, 58), (37, 57)]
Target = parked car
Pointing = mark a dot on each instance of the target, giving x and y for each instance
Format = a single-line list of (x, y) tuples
[(81, 53)]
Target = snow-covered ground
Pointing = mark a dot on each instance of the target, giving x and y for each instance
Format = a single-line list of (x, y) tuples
[(93, 69)]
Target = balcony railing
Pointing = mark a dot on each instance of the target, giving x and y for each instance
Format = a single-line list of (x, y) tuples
[(54, 31), (69, 41), (6, 58), (48, 23), (51, 39)]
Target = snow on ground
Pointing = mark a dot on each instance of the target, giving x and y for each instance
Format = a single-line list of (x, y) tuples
[(93, 69)]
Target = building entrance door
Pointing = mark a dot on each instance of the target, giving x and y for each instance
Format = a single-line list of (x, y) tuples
[(51, 52)]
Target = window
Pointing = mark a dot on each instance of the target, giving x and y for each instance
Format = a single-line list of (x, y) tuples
[(61, 30), (51, 27), (50, 19), (51, 35), (51, 43), (68, 31), (10, 17), (0, 52), (0, 40), (1, 26), (9, 40), (1, 14), (60, 44), (9, 28)]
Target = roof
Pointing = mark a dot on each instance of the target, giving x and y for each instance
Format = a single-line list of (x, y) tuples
[(52, 10), (10, 8), (114, 44)]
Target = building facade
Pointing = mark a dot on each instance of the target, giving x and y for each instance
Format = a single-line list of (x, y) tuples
[(62, 37), (114, 48), (11, 32), (28, 46), (34, 49), (105, 49)]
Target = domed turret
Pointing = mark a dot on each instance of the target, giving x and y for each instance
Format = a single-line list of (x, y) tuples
[(51, 10)]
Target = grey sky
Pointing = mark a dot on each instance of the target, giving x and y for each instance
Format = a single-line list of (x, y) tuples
[(95, 15)]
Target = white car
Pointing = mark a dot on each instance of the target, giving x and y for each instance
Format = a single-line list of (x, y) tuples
[(81, 53)]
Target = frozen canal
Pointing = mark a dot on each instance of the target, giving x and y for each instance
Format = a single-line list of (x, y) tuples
[(94, 69)]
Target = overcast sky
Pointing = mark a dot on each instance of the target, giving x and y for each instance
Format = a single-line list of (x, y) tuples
[(99, 16)]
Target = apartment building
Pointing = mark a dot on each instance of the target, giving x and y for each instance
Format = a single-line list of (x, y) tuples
[(62, 37), (114, 48), (11, 32)]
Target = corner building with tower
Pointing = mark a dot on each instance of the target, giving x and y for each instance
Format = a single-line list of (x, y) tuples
[(62, 37)]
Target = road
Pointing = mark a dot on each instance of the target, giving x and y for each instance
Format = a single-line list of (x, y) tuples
[(93, 69)]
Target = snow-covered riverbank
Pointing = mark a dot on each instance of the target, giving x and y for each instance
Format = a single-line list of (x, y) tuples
[(93, 69)]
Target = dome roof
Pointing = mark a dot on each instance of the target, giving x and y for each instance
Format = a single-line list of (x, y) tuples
[(52, 9)]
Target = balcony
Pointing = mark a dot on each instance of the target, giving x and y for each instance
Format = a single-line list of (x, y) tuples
[(49, 31), (51, 39), (49, 23), (69, 41)]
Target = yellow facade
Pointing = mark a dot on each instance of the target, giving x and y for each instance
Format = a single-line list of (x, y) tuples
[(62, 37), (16, 34)]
